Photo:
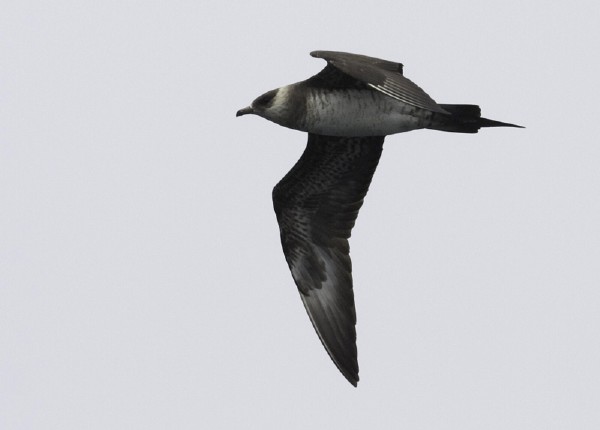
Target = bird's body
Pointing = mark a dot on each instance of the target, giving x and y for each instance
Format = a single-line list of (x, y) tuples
[(347, 109), (348, 112), (351, 113)]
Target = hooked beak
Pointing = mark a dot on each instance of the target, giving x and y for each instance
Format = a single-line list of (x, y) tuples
[(245, 111)]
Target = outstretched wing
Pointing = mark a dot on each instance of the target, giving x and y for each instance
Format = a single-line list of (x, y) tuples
[(381, 75), (316, 205)]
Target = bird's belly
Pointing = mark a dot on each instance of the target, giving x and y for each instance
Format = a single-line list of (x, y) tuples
[(360, 113)]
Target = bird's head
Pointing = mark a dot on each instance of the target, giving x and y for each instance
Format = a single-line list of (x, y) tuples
[(260, 106), (275, 105)]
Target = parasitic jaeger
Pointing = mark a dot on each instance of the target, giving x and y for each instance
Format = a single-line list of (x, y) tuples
[(347, 109)]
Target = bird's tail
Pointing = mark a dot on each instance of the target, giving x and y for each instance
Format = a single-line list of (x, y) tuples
[(464, 119)]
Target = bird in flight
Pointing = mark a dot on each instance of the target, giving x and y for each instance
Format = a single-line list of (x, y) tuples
[(347, 109)]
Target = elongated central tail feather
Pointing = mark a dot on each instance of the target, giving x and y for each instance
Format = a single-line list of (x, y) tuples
[(464, 119)]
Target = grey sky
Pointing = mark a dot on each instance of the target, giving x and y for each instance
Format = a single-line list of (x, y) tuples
[(142, 283)]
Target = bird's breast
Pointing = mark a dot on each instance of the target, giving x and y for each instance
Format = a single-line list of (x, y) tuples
[(359, 113)]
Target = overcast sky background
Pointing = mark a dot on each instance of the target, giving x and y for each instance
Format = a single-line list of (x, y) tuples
[(142, 283)]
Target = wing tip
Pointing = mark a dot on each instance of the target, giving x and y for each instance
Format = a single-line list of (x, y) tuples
[(353, 379), (346, 363)]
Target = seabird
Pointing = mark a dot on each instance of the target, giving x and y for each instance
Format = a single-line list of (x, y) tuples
[(347, 109)]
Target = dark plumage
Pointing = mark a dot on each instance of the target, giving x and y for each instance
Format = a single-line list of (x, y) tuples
[(348, 108), (316, 205)]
